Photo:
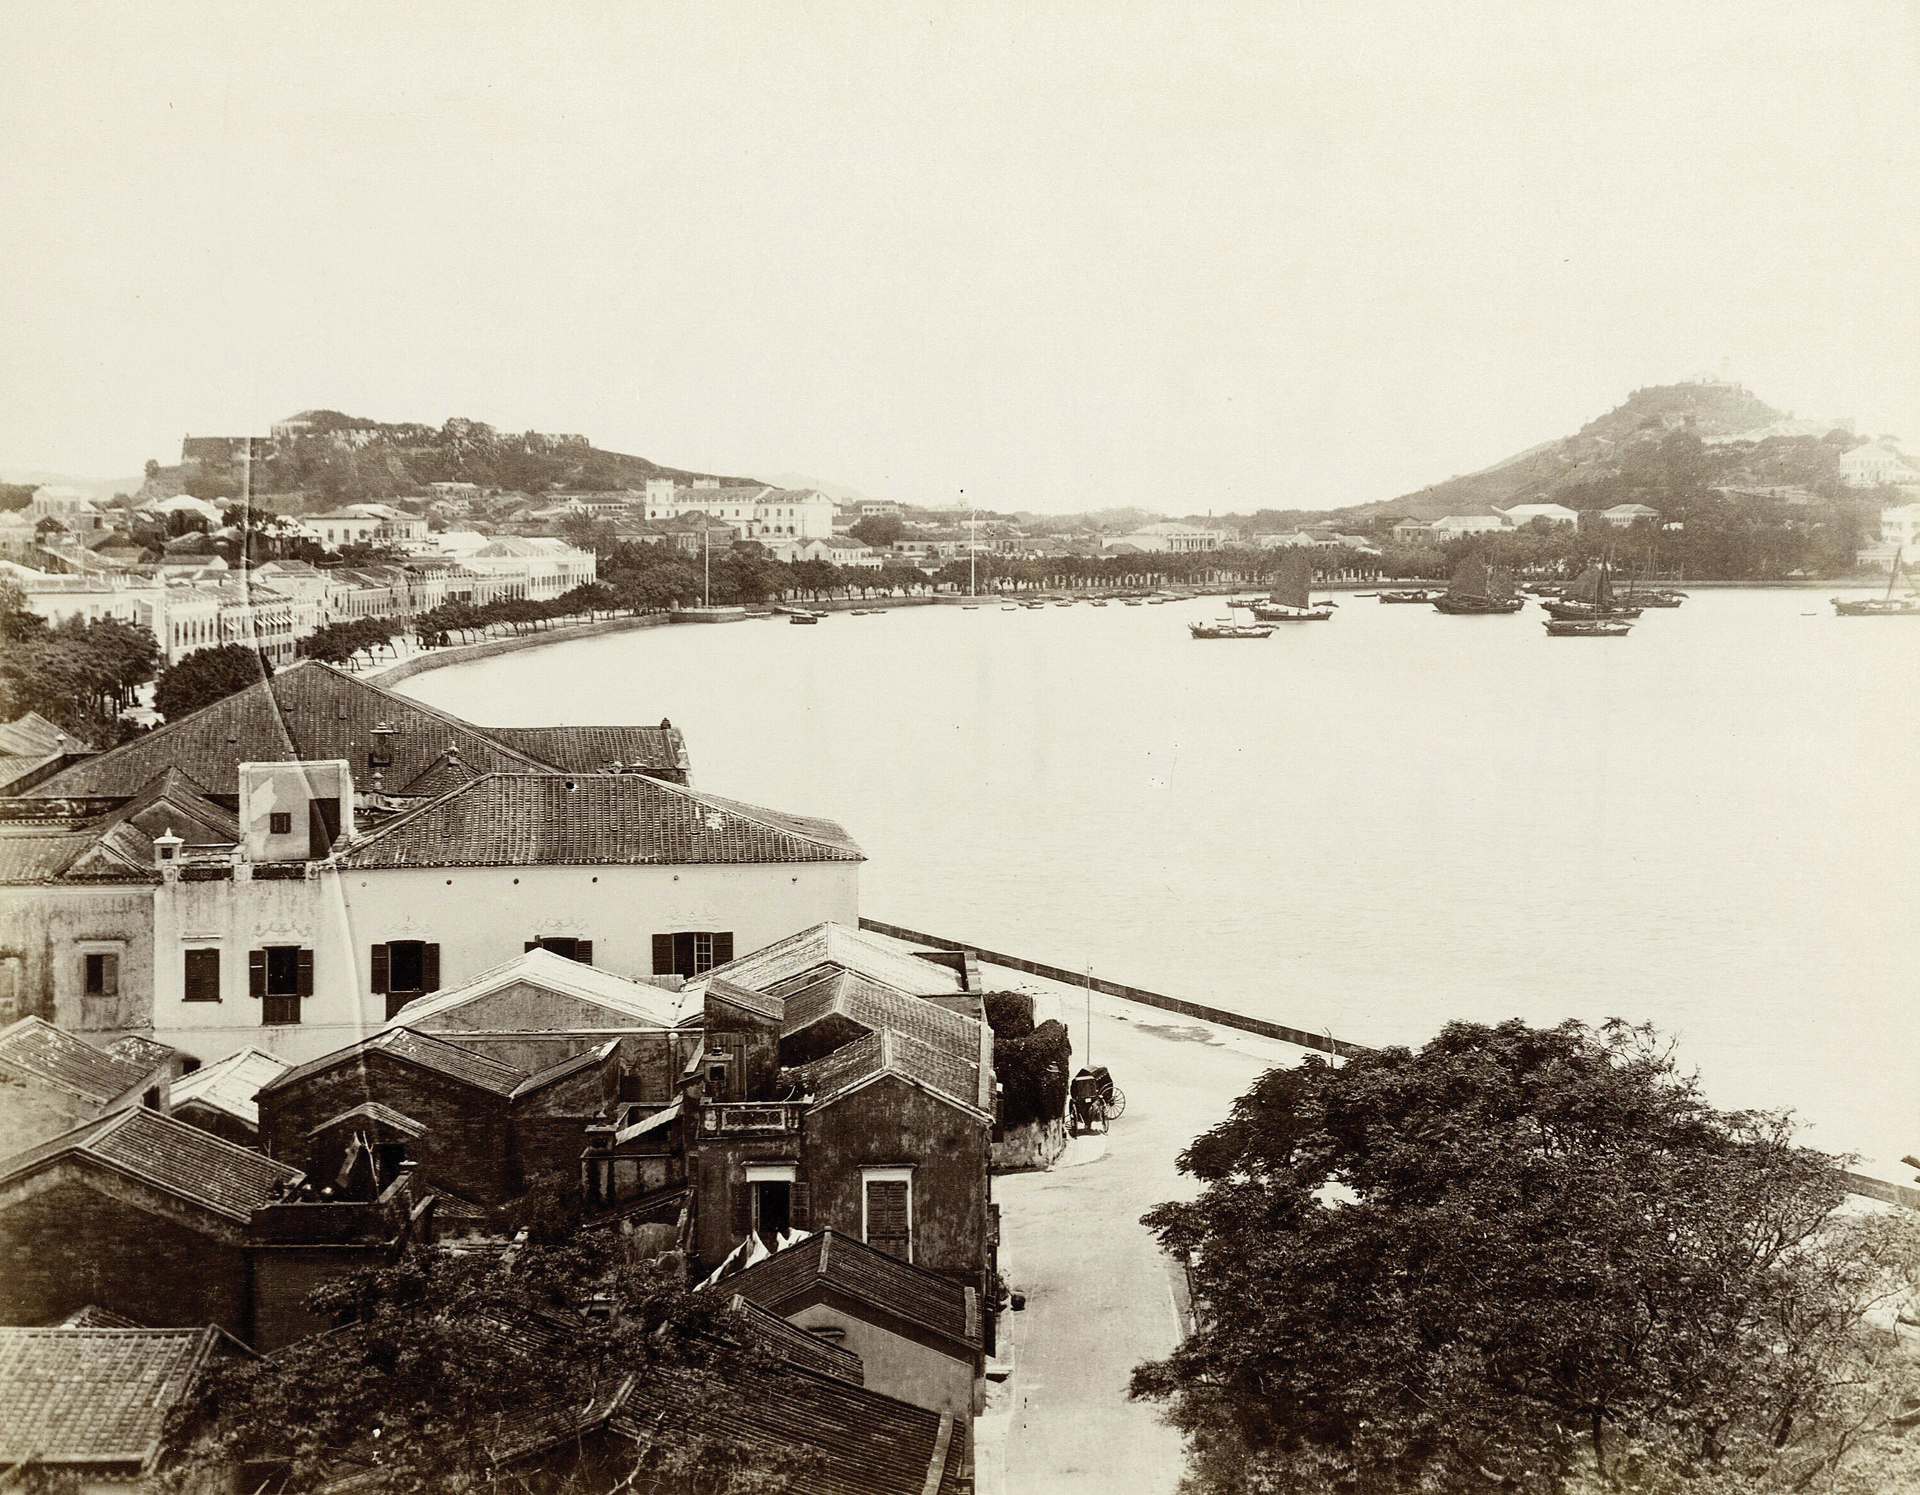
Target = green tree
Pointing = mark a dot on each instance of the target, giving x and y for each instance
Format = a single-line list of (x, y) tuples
[(1520, 1260), (447, 1360), (206, 676), (880, 531)]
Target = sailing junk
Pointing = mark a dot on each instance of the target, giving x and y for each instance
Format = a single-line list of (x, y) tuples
[(1477, 589), (1291, 600), (1888, 606), (1589, 598)]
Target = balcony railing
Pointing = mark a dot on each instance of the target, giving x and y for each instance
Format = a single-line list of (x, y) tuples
[(753, 1119)]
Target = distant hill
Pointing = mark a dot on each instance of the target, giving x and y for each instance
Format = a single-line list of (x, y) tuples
[(334, 457), (1615, 450)]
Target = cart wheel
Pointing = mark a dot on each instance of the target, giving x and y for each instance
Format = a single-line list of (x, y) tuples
[(1118, 1105)]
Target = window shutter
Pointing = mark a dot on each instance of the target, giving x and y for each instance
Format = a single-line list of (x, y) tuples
[(380, 982), (305, 978), (887, 1217), (256, 973), (583, 952), (742, 1209), (430, 968), (802, 1194), (663, 955), (110, 975), (722, 946)]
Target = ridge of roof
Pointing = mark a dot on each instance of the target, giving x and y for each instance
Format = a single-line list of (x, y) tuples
[(542, 968), (872, 1276), (560, 1069), (422, 1050), (82, 1395), (54, 1056)]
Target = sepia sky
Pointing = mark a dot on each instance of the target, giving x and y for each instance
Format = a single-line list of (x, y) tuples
[(1188, 256)]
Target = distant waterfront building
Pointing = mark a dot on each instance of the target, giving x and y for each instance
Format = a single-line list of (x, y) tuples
[(757, 511), (1453, 526), (1625, 516), (1174, 538), (1521, 515), (1878, 464), (1412, 531), (1901, 528), (839, 552)]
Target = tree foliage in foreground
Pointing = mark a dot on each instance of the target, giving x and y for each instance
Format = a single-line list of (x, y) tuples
[(451, 1360), (1528, 1260), (206, 676)]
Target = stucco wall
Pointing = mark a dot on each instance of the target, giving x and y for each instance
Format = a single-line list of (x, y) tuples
[(892, 1363), (47, 928), (479, 916)]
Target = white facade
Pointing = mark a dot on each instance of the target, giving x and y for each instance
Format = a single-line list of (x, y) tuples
[(840, 553), (1877, 464), (1178, 539), (87, 598), (756, 511), (1521, 515), (1455, 525), (1901, 528), (538, 569), (478, 916)]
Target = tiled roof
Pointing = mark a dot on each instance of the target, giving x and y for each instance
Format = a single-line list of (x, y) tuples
[(148, 1053), (181, 1159), (308, 711), (372, 1110), (801, 1347), (770, 1007), (229, 1084), (596, 749), (517, 820), (801, 959), (862, 1273), (94, 1396), (874, 1006), (37, 1050), (116, 846), (93, 1316), (846, 1069), (870, 1444), (628, 1003), (422, 1049)]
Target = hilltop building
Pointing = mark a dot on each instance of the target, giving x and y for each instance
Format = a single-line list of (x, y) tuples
[(1878, 464)]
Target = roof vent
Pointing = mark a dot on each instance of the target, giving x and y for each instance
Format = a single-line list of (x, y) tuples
[(385, 729), (665, 725), (571, 786)]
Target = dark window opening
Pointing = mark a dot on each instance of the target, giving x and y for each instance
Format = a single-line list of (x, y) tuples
[(203, 976), (103, 975), (323, 826), (887, 1218), (691, 952), (280, 823), (560, 944), (773, 1209), (280, 975)]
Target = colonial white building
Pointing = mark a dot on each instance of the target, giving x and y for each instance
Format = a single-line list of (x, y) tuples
[(1901, 528), (1521, 515), (757, 511), (1455, 525), (1878, 464), (1178, 539), (536, 568)]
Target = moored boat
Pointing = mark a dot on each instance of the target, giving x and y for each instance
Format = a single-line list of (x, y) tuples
[(1888, 606), (1477, 589), (1291, 600), (804, 618), (1590, 597), (1419, 594), (1228, 629), (1587, 628)]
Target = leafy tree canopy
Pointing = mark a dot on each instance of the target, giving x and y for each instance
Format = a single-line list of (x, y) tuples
[(1520, 1259), (206, 676), (452, 1362)]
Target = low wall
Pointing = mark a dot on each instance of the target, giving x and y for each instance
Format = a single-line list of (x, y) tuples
[(1035, 1145), (1226, 1019), (419, 664)]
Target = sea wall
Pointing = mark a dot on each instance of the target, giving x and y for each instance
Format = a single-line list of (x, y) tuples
[(418, 664)]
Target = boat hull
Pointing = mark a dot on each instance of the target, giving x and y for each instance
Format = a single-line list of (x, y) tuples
[(1475, 606), (1269, 612), (1587, 628), (1585, 612), (1878, 607)]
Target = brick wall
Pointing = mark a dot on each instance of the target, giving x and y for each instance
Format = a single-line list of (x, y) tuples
[(70, 1237)]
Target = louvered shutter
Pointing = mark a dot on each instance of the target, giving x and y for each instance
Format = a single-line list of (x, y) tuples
[(663, 955), (256, 973), (802, 1194), (304, 980), (380, 967), (742, 1210), (430, 968), (887, 1217), (583, 952), (722, 946)]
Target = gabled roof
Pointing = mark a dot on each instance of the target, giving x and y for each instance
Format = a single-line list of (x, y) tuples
[(94, 1396), (34, 1050), (32, 742), (422, 1050), (898, 1288), (374, 1111), (596, 749), (797, 1345), (116, 846), (746, 998), (229, 1085), (947, 1076), (627, 1003), (307, 711), (173, 1156), (801, 959), (572, 1064), (546, 819), (873, 1006)]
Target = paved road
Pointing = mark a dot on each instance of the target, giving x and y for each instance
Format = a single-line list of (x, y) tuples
[(1100, 1296)]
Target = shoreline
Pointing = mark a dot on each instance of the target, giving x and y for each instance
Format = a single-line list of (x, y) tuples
[(399, 670)]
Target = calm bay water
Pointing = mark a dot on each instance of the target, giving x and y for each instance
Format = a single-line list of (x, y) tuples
[(1371, 825)]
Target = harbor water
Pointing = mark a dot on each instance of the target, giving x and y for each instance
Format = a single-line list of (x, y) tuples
[(1368, 826)]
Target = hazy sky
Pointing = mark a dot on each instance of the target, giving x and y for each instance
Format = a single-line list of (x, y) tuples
[(1189, 256)]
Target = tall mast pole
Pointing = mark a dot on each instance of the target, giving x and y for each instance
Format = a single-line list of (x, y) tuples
[(706, 566)]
